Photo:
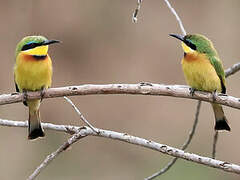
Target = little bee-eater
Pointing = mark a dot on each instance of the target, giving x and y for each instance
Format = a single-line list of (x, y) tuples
[(33, 72), (203, 70)]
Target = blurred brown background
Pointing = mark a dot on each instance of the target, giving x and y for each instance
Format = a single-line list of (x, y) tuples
[(101, 45)]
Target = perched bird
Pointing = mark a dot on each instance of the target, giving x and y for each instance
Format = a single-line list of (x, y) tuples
[(33, 72), (203, 70)]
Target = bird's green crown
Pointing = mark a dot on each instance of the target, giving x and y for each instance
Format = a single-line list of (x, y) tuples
[(202, 44), (29, 42)]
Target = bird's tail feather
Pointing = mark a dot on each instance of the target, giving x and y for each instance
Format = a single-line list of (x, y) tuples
[(35, 129), (221, 120)]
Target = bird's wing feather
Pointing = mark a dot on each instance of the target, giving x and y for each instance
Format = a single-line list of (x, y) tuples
[(17, 90), (217, 64)]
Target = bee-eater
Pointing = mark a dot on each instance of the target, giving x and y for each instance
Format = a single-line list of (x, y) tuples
[(203, 70), (33, 72)]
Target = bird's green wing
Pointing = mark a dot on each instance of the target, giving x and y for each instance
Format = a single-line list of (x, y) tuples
[(217, 64), (17, 90)]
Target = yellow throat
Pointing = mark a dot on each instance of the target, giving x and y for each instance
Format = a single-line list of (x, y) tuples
[(37, 51)]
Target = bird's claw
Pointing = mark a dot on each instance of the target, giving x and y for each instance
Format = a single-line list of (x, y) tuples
[(25, 97), (214, 93), (192, 91), (145, 84), (42, 93)]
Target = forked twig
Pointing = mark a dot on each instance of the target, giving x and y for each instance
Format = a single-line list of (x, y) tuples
[(80, 114), (165, 149), (54, 154), (67, 144)]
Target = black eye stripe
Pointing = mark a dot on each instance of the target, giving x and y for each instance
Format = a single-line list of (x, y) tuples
[(30, 46), (190, 44)]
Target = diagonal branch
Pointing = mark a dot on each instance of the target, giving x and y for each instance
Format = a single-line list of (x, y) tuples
[(53, 155), (176, 16), (171, 151), (80, 114), (232, 70), (136, 11)]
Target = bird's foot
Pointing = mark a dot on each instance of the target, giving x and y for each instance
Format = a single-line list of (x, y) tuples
[(214, 94), (42, 93), (192, 91), (25, 97), (145, 84)]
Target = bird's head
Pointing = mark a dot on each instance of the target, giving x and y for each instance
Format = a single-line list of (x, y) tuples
[(196, 43), (34, 45)]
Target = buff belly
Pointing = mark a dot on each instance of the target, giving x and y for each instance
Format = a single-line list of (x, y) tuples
[(200, 74)]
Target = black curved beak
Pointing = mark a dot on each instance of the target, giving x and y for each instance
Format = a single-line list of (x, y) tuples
[(186, 41), (47, 42), (180, 37)]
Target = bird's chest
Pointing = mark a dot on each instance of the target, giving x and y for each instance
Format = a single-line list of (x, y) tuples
[(200, 74), (33, 74)]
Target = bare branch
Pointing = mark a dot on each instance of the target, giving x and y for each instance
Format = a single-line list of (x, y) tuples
[(53, 155), (63, 147), (184, 146), (136, 11), (215, 138), (173, 161), (228, 72), (85, 131), (134, 89), (232, 70), (179, 91), (176, 16), (80, 114)]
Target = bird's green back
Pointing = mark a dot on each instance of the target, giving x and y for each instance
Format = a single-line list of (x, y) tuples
[(205, 46)]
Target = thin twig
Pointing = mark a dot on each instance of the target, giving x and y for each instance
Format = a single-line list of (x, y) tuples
[(53, 155), (214, 144), (176, 16), (136, 11), (228, 72), (80, 114), (232, 70), (235, 68), (86, 131), (63, 147), (184, 146)]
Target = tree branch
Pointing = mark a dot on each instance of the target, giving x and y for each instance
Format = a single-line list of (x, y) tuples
[(228, 72), (135, 13), (179, 91), (232, 70), (184, 146), (85, 131), (134, 89), (176, 16), (53, 155)]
